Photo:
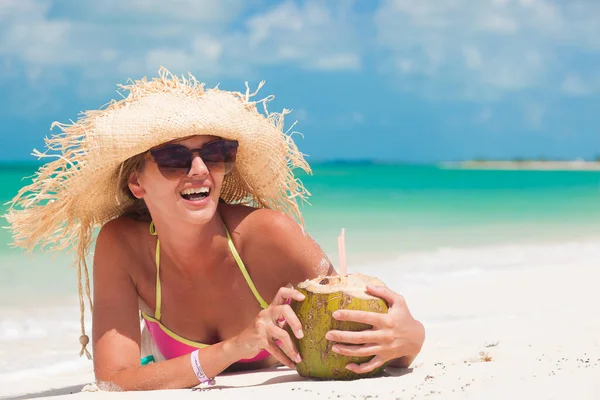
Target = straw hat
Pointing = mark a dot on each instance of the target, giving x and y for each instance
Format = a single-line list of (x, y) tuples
[(79, 191)]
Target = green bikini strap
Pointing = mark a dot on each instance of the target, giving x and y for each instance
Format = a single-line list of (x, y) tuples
[(244, 271), (157, 254)]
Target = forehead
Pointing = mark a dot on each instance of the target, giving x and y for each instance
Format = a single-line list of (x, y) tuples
[(195, 142)]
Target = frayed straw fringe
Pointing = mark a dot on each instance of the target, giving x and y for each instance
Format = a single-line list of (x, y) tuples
[(78, 191)]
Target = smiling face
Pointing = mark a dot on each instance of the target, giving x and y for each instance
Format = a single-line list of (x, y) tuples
[(191, 198)]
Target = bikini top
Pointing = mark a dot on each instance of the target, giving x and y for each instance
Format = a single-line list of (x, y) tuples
[(170, 344)]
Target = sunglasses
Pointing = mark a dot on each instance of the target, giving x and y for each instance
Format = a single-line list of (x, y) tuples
[(175, 160)]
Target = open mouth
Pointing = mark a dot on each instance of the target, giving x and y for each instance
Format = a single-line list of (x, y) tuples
[(195, 194)]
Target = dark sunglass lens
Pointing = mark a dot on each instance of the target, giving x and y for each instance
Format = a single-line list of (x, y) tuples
[(219, 156), (172, 161)]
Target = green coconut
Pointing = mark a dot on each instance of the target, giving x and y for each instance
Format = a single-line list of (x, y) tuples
[(324, 295)]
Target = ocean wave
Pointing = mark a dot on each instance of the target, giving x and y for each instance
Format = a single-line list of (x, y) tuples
[(47, 336), (428, 266), (63, 367)]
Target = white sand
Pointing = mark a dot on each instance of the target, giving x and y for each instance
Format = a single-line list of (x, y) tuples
[(539, 325)]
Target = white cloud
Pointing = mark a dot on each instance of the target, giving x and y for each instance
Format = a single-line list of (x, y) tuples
[(207, 47), (358, 117), (22, 9), (309, 34), (349, 119), (110, 41), (405, 65), (283, 18), (484, 49), (203, 57), (335, 62), (574, 86), (301, 114), (497, 23), (436, 48), (472, 57), (484, 116), (176, 59), (171, 10), (45, 42), (533, 114)]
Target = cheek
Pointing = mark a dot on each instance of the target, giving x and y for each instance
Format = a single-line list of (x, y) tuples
[(154, 185), (218, 183)]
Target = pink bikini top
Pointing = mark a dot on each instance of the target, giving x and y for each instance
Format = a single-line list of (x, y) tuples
[(170, 344)]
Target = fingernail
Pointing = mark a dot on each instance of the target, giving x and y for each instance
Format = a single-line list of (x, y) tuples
[(335, 314), (298, 358), (299, 334), (335, 349), (328, 336)]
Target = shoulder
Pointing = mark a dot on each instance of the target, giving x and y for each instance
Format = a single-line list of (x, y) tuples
[(279, 245), (263, 226), (118, 229), (267, 221), (119, 238)]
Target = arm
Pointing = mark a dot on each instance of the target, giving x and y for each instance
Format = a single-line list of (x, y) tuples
[(288, 254), (293, 256), (116, 329)]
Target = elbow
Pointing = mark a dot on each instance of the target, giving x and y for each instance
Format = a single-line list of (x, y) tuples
[(109, 382), (109, 386), (117, 381)]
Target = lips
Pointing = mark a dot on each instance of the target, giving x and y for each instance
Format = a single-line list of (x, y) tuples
[(195, 194)]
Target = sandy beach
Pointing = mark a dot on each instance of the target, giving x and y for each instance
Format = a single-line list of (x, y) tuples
[(526, 332)]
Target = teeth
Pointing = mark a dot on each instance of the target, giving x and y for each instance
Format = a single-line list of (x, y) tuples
[(195, 190)]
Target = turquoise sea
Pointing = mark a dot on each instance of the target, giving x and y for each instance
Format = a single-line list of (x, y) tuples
[(390, 209), (387, 210), (410, 223)]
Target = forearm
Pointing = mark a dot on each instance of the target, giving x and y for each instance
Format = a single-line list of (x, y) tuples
[(176, 373)]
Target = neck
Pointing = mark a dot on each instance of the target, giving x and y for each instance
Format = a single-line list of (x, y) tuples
[(187, 247)]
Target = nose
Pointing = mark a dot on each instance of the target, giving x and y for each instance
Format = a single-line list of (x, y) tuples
[(198, 167)]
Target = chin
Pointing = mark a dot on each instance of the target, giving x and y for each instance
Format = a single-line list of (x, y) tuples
[(200, 212)]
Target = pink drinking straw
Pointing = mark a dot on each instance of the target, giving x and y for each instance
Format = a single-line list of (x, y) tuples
[(342, 254)]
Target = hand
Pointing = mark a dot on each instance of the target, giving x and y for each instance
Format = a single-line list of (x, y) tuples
[(393, 335), (267, 332)]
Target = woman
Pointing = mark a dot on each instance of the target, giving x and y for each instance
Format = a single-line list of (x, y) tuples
[(196, 198)]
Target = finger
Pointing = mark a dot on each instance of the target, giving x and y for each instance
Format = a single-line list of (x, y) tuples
[(363, 368), (276, 352), (356, 351), (284, 294), (359, 337), (391, 297), (281, 322), (285, 342), (286, 313), (370, 318)]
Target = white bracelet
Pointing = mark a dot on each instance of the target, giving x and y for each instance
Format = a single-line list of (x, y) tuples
[(202, 378)]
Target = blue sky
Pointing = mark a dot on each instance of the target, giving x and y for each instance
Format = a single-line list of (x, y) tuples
[(415, 81)]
